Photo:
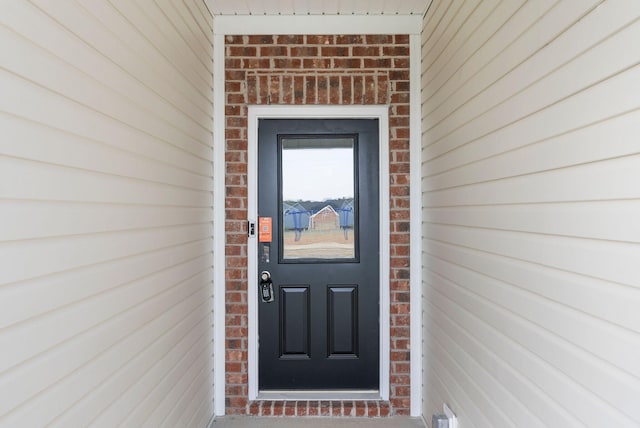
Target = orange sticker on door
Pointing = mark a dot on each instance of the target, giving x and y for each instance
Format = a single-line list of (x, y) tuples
[(264, 229)]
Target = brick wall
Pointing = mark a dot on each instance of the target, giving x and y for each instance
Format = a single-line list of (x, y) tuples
[(326, 70)]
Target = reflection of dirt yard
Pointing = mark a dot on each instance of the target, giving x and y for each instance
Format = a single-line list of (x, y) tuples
[(324, 244)]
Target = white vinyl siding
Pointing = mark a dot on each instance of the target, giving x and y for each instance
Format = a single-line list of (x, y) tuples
[(531, 208), (106, 213)]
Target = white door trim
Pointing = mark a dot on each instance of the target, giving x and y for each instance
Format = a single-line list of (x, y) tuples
[(318, 112), (219, 238), (415, 200)]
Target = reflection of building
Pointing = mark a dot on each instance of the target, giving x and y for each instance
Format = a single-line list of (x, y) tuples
[(295, 216), (325, 219), (346, 214)]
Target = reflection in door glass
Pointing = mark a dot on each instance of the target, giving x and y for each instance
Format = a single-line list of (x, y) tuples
[(318, 204)]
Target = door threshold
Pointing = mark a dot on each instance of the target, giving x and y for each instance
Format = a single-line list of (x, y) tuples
[(320, 395)]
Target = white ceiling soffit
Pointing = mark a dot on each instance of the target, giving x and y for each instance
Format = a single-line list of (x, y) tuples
[(317, 7)]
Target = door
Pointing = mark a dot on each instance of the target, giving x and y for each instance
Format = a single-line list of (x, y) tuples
[(318, 254)]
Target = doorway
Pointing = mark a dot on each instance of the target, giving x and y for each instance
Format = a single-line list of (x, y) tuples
[(294, 342), (318, 241)]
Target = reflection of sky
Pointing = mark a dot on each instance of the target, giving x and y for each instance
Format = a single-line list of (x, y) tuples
[(317, 174)]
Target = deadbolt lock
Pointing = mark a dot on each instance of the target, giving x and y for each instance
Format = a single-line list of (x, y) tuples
[(266, 287)]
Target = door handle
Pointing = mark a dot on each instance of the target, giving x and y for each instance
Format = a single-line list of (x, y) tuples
[(266, 287)]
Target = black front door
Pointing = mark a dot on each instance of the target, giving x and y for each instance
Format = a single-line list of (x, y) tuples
[(318, 254)]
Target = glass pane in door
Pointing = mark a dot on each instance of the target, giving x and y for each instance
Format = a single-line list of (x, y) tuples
[(318, 198)]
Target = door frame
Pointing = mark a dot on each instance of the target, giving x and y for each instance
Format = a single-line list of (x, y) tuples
[(255, 113)]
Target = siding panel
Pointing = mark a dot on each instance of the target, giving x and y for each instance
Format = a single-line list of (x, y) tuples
[(106, 206), (530, 208)]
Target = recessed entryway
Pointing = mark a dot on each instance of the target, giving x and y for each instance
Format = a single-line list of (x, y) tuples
[(297, 325)]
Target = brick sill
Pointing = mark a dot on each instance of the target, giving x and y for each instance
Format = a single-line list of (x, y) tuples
[(334, 408)]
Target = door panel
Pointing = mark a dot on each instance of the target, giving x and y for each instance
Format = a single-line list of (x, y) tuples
[(343, 321), (318, 182), (294, 322)]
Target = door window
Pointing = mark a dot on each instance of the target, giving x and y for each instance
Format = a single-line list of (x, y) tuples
[(318, 201)]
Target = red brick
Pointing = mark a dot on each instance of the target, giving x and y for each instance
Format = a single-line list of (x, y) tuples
[(233, 390), (379, 39), (401, 144), (400, 356), (377, 63), (235, 98), (234, 110), (401, 320), (401, 62), (267, 408), (334, 90), (298, 89), (347, 63), (398, 168), (400, 98), (273, 51), (325, 408), (311, 88), (234, 297), (366, 51), (301, 408), (358, 89), (384, 410), (233, 133), (254, 408), (313, 408), (298, 51), (400, 308), (233, 367), (399, 296), (399, 121), (287, 89), (261, 40), (263, 85), (290, 39), (256, 63), (235, 75), (370, 91), (361, 408), (348, 407), (395, 50), (350, 40), (336, 408), (400, 379), (402, 86), (290, 408), (237, 403), (242, 51), (316, 63), (335, 51), (382, 97), (286, 63), (320, 40), (323, 95), (274, 89), (401, 405), (234, 39), (372, 409), (278, 408)]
